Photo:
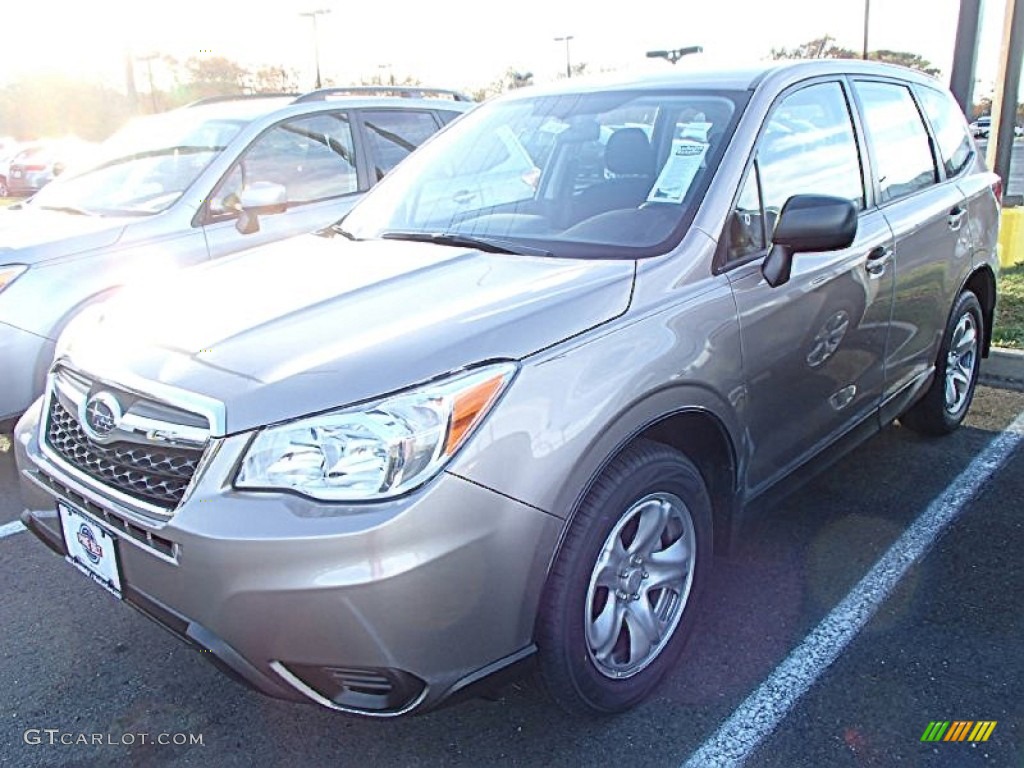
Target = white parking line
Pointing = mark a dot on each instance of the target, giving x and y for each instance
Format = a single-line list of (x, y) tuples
[(9, 529), (765, 708)]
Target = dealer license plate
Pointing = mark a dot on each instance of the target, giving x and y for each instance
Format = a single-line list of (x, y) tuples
[(92, 549)]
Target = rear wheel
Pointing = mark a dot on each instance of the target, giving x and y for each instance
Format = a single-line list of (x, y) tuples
[(947, 401), (622, 597)]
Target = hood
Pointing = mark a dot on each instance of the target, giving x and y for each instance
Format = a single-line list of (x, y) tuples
[(33, 235), (313, 323)]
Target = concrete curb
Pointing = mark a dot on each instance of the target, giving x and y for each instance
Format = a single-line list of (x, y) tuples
[(1003, 368)]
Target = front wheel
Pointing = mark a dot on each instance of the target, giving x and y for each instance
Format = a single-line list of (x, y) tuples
[(622, 596), (947, 401)]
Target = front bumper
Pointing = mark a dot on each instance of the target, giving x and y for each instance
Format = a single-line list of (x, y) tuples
[(375, 609), (24, 358)]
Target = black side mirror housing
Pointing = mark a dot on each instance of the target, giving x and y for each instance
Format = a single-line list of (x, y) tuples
[(808, 223)]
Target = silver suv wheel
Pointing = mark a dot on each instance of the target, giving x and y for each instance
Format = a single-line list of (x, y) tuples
[(960, 363), (639, 585), (621, 598)]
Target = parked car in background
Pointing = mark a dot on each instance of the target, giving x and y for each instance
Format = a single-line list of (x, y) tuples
[(39, 163), (982, 127), (7, 151), (374, 467), (182, 187)]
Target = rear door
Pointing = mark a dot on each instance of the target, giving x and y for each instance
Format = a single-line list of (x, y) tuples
[(813, 347), (928, 217), (961, 163)]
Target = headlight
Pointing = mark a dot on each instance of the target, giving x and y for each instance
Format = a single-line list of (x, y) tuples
[(377, 450), (9, 273)]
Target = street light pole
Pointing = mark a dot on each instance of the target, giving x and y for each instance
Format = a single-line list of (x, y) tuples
[(316, 39), (568, 65), (675, 54), (867, 13)]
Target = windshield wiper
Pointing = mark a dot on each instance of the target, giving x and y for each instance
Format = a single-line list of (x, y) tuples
[(468, 241), (66, 209)]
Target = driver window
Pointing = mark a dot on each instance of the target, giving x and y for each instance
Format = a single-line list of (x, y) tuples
[(311, 157), (808, 147)]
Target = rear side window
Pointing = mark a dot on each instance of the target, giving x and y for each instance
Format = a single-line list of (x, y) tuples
[(950, 129), (898, 139), (393, 134)]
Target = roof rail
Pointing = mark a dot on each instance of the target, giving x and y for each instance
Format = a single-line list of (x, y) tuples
[(402, 91), (238, 97)]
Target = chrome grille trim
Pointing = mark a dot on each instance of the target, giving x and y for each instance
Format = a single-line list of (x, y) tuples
[(180, 462), (157, 477)]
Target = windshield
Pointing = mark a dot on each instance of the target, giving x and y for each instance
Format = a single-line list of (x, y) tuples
[(583, 174), (143, 168)]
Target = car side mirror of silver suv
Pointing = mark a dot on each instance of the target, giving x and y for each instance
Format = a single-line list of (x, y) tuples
[(261, 198), (808, 223)]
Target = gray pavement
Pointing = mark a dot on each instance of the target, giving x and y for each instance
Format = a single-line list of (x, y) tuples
[(949, 644)]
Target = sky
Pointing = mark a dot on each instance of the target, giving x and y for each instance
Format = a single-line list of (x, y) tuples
[(466, 45)]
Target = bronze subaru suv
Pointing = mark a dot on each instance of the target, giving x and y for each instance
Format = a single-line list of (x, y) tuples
[(510, 407)]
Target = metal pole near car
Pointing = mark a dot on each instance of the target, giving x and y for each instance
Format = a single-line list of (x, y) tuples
[(965, 55), (1004, 107), (316, 39), (568, 65)]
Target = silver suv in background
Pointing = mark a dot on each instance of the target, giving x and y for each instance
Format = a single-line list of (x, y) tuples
[(375, 467), (181, 187)]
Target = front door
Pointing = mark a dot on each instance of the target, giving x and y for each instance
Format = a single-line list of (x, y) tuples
[(812, 348)]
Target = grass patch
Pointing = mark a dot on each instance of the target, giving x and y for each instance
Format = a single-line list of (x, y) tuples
[(1008, 330)]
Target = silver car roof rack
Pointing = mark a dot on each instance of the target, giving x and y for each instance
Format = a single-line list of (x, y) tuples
[(402, 91), (238, 97)]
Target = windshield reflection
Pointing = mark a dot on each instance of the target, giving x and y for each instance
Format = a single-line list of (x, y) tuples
[(587, 174), (142, 169)]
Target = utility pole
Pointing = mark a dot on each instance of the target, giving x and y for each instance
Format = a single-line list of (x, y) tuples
[(148, 58), (316, 39), (129, 80), (568, 66)]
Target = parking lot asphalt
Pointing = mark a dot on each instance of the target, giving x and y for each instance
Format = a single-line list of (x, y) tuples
[(948, 644)]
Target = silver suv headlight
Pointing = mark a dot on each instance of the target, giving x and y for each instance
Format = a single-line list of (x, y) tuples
[(377, 450)]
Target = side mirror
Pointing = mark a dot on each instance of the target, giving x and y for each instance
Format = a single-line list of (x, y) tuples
[(808, 223), (261, 198)]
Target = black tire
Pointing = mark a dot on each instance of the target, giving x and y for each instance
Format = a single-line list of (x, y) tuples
[(642, 486), (939, 412)]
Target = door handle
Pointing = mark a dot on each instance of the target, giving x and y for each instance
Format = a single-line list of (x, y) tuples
[(878, 259), (956, 217)]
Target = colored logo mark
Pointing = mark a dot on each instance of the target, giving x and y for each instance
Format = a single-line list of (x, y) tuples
[(958, 730)]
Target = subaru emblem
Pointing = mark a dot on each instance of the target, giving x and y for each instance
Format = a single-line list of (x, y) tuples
[(102, 414)]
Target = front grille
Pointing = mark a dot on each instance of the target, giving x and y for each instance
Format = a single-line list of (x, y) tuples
[(156, 476)]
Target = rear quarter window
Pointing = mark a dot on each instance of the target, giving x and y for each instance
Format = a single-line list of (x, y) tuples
[(950, 128)]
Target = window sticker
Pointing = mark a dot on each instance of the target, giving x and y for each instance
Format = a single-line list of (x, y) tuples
[(679, 172)]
